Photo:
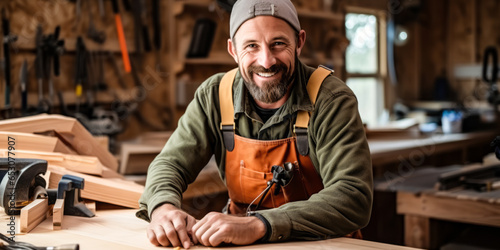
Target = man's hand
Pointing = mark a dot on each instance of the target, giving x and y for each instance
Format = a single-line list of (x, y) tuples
[(171, 226), (216, 228)]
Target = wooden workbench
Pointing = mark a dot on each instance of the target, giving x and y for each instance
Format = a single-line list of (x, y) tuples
[(425, 209), (437, 149), (120, 229), (409, 151), (464, 206)]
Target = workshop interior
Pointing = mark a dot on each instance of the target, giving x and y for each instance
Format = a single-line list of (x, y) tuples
[(91, 91)]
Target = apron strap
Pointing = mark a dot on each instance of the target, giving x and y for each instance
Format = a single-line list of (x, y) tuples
[(227, 125), (302, 121), (227, 108)]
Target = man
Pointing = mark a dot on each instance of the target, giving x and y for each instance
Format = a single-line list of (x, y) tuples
[(309, 151)]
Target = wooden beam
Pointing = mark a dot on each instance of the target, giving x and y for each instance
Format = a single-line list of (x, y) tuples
[(475, 211), (58, 214), (33, 214), (109, 190), (77, 163), (70, 130), (28, 141)]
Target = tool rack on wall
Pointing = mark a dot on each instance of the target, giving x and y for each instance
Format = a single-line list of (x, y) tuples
[(165, 78)]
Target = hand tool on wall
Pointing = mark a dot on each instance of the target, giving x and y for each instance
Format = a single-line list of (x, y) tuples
[(23, 83), (97, 36), (157, 38), (121, 36), (53, 48), (141, 33), (203, 35), (127, 5), (43, 104), (102, 12), (79, 71), (8, 38), (156, 25), (145, 33)]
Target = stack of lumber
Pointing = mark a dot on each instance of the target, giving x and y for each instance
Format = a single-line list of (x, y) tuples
[(69, 149)]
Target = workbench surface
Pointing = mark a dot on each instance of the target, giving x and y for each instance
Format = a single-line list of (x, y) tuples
[(120, 229)]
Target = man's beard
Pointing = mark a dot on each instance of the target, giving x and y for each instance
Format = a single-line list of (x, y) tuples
[(272, 90)]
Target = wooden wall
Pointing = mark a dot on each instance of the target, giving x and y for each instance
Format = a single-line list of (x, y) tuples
[(26, 15), (444, 34)]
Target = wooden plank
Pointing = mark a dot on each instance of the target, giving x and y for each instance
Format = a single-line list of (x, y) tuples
[(77, 163), (417, 232), (71, 131), (451, 209), (28, 141), (33, 214), (108, 190), (57, 217)]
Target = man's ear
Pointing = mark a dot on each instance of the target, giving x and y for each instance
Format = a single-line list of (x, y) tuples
[(232, 50), (301, 41)]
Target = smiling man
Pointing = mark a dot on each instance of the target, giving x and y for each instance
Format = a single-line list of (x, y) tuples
[(287, 138)]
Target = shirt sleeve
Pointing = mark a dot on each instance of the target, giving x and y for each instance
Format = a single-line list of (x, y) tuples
[(184, 155), (340, 153)]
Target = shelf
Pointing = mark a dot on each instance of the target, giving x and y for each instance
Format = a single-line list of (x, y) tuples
[(320, 15), (179, 8), (215, 58), (111, 44), (70, 98), (220, 58)]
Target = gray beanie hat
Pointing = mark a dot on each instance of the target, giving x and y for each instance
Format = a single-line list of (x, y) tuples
[(244, 10)]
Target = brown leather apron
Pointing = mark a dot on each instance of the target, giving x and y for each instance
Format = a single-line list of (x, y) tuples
[(249, 161)]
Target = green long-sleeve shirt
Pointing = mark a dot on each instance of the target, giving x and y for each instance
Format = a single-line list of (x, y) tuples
[(337, 147)]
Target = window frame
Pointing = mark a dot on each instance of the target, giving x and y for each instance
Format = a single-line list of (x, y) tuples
[(381, 75)]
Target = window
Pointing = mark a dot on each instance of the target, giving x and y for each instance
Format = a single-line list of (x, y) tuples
[(364, 67)]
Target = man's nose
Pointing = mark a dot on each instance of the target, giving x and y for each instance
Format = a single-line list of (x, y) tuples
[(266, 58)]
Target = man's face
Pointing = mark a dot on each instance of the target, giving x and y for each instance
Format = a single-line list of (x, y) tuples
[(265, 49)]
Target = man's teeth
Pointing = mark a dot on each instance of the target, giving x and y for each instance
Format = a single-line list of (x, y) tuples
[(263, 74)]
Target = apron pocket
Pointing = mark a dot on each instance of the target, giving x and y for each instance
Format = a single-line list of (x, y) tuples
[(252, 184)]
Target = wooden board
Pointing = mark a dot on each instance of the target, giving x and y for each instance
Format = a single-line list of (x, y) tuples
[(77, 163), (451, 209), (28, 141), (108, 190), (34, 214), (120, 229), (58, 214), (69, 129)]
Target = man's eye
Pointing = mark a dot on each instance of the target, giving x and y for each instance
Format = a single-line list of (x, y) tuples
[(252, 46)]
